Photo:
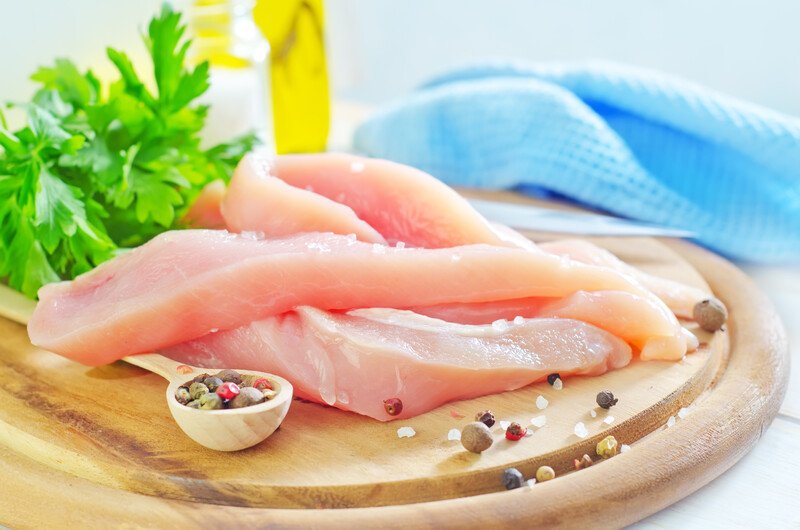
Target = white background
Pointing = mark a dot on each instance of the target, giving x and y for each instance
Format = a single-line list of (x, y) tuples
[(380, 49)]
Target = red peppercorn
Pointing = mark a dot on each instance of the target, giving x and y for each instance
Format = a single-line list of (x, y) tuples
[(393, 406), (262, 384), (228, 390), (515, 431)]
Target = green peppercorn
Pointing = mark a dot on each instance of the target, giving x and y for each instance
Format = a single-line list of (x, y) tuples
[(248, 379), (230, 376), (183, 395), (195, 404), (212, 383), (545, 473), (197, 389), (247, 396), (210, 401), (607, 447)]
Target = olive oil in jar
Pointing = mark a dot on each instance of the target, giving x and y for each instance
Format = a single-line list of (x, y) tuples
[(298, 72)]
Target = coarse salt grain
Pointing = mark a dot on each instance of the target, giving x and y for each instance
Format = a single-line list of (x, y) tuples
[(683, 412), (670, 421), (528, 432), (608, 420), (530, 482), (541, 402), (453, 435), (539, 421), (593, 413), (405, 432), (504, 424), (377, 248), (624, 448), (351, 237), (558, 384), (500, 325), (400, 244), (580, 430), (518, 320)]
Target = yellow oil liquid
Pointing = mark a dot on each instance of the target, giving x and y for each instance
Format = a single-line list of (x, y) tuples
[(298, 72)]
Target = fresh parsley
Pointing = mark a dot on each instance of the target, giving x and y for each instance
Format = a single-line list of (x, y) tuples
[(98, 170)]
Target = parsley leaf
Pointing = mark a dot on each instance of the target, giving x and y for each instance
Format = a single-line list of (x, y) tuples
[(98, 170)]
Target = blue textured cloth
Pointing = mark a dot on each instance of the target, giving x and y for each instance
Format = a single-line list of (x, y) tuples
[(632, 142)]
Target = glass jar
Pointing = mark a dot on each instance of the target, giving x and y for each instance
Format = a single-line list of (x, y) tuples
[(224, 34)]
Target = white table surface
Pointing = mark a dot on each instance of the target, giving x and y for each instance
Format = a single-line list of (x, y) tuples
[(762, 490)]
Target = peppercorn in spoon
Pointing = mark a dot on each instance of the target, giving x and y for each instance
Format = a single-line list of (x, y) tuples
[(229, 429), (221, 429)]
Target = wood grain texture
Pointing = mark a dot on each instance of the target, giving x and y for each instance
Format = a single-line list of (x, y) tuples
[(325, 458)]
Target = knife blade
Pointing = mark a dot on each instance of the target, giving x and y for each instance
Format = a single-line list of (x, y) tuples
[(527, 217)]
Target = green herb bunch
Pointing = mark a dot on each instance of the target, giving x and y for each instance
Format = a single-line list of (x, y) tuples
[(96, 171)]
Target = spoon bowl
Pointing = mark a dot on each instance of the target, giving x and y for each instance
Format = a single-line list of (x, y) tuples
[(224, 429)]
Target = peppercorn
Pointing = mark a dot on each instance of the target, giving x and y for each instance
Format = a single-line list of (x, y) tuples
[(393, 406), (230, 376), (607, 447), (545, 473), (212, 383), (606, 399), (710, 314), (486, 417), (247, 396), (584, 462), (515, 431), (552, 378), (183, 395), (248, 379), (199, 378), (228, 390), (210, 401), (194, 404), (476, 437), (197, 389), (512, 478), (262, 384)]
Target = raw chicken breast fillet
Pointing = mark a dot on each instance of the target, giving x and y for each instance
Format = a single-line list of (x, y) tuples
[(183, 284), (357, 360)]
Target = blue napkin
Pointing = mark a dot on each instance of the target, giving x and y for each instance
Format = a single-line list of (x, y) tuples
[(633, 142)]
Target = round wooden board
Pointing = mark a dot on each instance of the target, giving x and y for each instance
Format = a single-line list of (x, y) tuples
[(100, 443)]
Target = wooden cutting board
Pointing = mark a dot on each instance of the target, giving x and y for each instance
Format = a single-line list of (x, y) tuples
[(100, 444)]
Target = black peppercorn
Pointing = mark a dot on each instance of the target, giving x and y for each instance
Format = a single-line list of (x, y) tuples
[(512, 478), (552, 378), (606, 399), (486, 417)]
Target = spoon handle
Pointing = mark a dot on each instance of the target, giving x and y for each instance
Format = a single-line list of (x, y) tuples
[(158, 364)]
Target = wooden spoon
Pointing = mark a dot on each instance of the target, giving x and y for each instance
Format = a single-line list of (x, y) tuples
[(222, 430)]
